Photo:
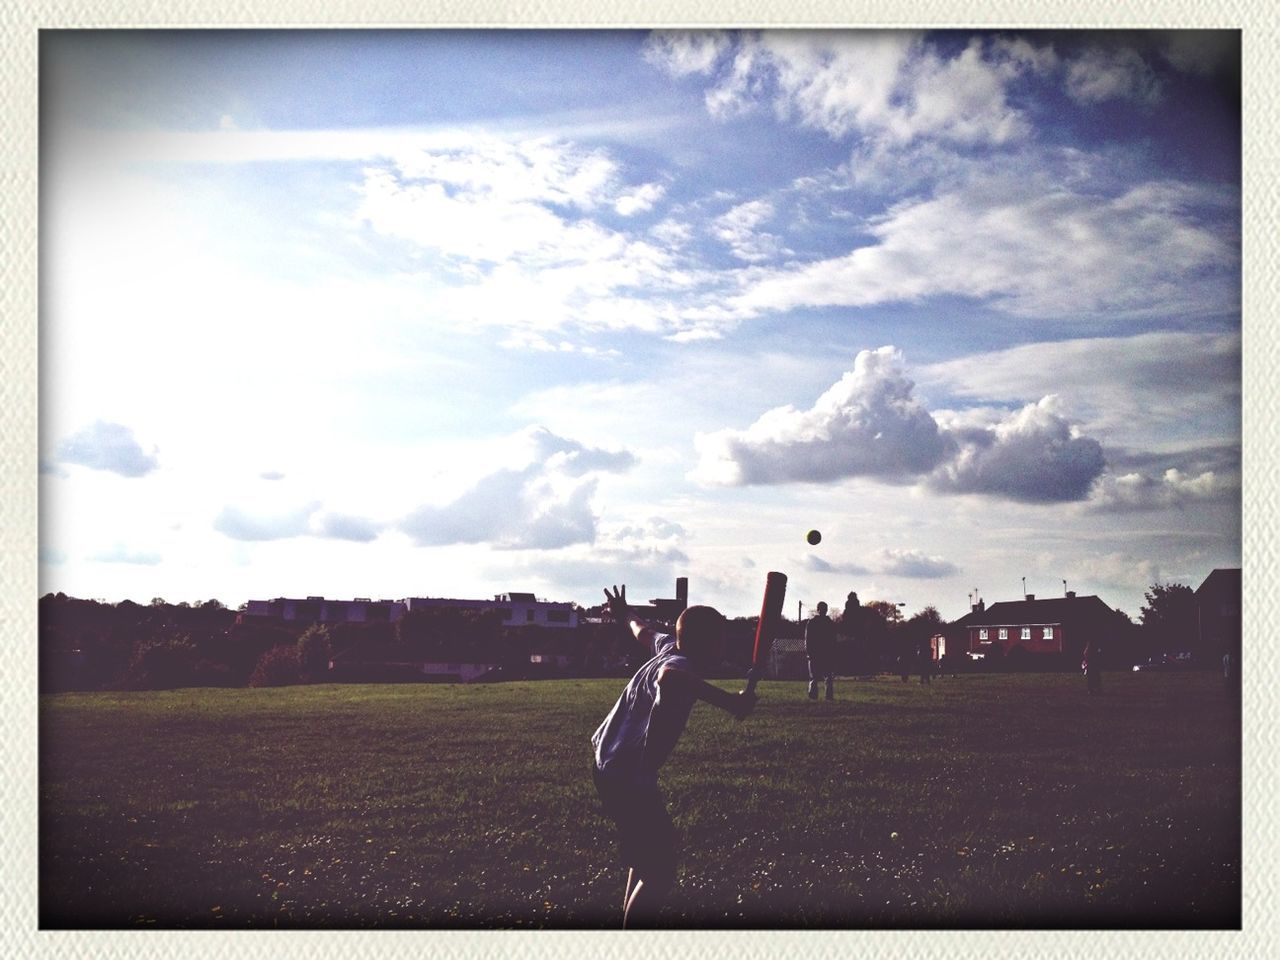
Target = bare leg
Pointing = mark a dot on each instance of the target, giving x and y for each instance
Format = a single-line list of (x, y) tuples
[(646, 899), (626, 896)]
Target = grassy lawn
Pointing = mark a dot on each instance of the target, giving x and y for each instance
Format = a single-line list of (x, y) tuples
[(982, 801)]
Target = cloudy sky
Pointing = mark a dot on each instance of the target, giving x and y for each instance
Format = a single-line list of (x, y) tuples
[(450, 313)]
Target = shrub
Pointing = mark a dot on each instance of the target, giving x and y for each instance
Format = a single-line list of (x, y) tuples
[(279, 667), (314, 650), (162, 663)]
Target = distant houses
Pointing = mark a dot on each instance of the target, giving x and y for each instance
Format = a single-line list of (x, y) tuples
[(1054, 629), (517, 609)]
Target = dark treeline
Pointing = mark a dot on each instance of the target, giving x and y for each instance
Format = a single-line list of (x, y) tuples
[(92, 645)]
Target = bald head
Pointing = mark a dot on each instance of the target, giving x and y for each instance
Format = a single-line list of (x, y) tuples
[(700, 634)]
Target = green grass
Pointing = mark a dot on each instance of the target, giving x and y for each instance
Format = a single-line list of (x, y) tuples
[(989, 801)]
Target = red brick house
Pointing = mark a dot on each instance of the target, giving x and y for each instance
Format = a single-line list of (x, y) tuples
[(1054, 630)]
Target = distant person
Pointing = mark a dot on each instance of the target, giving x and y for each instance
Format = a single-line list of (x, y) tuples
[(1092, 666), (637, 737), (851, 630), (924, 658), (820, 647)]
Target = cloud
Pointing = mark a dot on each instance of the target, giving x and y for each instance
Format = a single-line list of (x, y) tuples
[(573, 458), (1117, 73), (1033, 456), (639, 200), (271, 475), (914, 564), (545, 505), (884, 85), (738, 229), (818, 565), (682, 53), (259, 524), (121, 554), (108, 446), (867, 424), (1164, 387), (1029, 247), (339, 526), (1131, 492)]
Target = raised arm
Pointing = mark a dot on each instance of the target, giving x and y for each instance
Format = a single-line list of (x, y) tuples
[(621, 613)]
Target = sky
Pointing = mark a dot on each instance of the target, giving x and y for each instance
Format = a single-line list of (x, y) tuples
[(455, 313)]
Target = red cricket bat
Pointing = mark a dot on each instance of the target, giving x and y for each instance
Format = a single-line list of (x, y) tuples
[(775, 591)]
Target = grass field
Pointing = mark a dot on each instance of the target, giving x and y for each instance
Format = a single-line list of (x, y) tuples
[(983, 801)]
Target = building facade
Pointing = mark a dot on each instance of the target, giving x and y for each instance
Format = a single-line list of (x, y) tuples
[(1054, 629)]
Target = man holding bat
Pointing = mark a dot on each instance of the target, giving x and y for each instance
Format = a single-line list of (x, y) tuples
[(638, 736)]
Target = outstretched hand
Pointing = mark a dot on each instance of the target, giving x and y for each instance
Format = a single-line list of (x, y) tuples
[(617, 602)]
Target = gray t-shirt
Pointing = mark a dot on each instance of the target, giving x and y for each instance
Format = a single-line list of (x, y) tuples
[(620, 741)]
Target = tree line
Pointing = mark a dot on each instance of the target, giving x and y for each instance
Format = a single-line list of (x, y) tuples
[(94, 645)]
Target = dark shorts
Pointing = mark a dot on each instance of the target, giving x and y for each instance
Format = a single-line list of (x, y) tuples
[(646, 835)]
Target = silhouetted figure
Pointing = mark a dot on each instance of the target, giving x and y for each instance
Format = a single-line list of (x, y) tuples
[(924, 659), (820, 646), (638, 735), (851, 629), (1092, 666)]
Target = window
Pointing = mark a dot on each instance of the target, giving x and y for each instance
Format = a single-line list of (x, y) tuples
[(1048, 633), (528, 616), (1004, 633), (983, 634), (1026, 633)]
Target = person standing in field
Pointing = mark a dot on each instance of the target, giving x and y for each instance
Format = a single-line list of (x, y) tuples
[(820, 646), (851, 629), (1093, 668), (637, 737)]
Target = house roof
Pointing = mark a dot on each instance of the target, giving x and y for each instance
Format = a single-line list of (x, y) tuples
[(1223, 579), (1049, 610)]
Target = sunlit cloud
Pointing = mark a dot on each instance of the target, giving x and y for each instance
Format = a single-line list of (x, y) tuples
[(108, 446)]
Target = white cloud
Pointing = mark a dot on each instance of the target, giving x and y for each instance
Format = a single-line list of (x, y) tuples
[(1032, 456), (119, 553), (913, 564), (545, 504), (739, 229), (639, 200), (259, 523), (888, 85), (867, 424), (108, 446), (1136, 491), (1117, 73), (1028, 247), (681, 53), (1147, 391), (816, 564)]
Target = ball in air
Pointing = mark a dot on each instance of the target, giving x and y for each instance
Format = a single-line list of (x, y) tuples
[(814, 537)]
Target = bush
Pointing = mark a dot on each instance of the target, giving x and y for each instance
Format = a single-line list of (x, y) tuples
[(279, 667), (313, 653), (162, 663)]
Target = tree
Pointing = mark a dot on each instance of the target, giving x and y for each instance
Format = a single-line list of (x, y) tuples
[(162, 663), (278, 667), (314, 650), (1169, 619)]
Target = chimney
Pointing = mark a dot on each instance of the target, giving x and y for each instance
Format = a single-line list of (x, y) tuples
[(1071, 594), (1030, 596), (979, 606), (682, 591)]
